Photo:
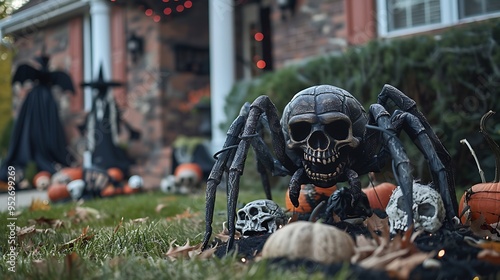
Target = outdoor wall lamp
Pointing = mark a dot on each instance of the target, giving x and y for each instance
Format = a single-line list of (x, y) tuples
[(135, 46)]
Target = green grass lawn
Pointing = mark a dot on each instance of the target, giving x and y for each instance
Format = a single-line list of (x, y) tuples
[(126, 237)]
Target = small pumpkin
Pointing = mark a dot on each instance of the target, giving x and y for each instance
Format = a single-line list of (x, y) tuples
[(57, 192), (115, 174), (109, 190), (190, 168), (67, 174), (483, 199), (379, 195), (41, 180), (309, 197), (310, 241)]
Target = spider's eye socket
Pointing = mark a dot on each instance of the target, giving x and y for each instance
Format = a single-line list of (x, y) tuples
[(299, 131), (338, 130)]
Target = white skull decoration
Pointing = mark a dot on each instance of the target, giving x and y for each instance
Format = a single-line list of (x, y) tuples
[(76, 188), (259, 217), (167, 185), (188, 177), (428, 209)]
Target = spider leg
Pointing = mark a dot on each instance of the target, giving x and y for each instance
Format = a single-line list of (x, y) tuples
[(401, 163), (215, 177), (414, 128), (409, 105), (261, 105)]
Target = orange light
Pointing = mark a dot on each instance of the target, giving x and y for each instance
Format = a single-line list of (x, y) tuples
[(258, 36), (167, 11), (156, 18), (149, 12), (188, 4), (261, 64)]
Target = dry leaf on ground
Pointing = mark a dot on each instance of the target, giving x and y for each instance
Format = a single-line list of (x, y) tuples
[(39, 205), (84, 237)]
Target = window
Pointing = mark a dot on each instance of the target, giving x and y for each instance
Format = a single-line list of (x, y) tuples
[(470, 8), (408, 13), (402, 17)]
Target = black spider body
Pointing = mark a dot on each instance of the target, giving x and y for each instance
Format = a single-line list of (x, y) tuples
[(325, 136)]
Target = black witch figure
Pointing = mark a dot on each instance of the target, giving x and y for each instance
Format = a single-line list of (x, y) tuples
[(38, 135), (103, 127)]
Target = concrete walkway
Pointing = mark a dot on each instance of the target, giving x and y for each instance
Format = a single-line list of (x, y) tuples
[(23, 198)]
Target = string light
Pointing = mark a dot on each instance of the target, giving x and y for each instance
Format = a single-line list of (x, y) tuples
[(261, 64), (258, 36), (441, 253), (180, 6)]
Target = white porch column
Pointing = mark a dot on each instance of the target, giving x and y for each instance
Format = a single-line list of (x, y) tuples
[(97, 53), (101, 38), (222, 64)]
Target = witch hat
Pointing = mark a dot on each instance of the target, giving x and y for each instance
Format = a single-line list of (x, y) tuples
[(101, 85)]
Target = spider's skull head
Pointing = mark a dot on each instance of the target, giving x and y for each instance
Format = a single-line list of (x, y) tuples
[(322, 125), (428, 209), (259, 217)]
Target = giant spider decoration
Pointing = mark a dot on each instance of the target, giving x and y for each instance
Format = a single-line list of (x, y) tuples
[(325, 136)]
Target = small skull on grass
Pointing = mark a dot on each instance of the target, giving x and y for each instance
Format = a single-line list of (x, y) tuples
[(260, 217)]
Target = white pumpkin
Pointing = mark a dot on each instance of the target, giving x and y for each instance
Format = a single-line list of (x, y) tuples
[(311, 241)]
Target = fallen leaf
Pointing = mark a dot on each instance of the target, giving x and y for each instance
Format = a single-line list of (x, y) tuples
[(39, 205), (139, 220), (159, 207), (184, 215), (84, 237), (21, 232), (54, 223), (118, 226), (175, 252), (483, 230), (383, 253), (224, 234), (489, 255), (377, 224), (400, 268), (82, 214)]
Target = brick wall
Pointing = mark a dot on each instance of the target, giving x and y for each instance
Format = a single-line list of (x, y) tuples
[(159, 98), (317, 27)]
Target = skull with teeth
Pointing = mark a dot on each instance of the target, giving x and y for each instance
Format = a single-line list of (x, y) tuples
[(428, 209), (322, 126), (259, 217)]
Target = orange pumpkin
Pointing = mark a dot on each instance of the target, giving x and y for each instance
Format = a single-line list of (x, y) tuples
[(309, 197), (189, 168), (67, 174), (379, 195), (109, 190), (483, 199), (42, 180), (127, 189), (57, 192), (116, 174)]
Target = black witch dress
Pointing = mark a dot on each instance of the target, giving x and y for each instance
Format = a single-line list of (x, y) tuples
[(38, 135)]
